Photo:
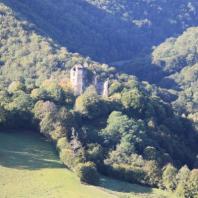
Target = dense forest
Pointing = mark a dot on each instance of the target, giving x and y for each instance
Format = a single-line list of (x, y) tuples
[(178, 58), (143, 132), (108, 30)]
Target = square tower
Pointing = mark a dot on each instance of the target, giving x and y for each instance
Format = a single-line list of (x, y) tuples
[(78, 76)]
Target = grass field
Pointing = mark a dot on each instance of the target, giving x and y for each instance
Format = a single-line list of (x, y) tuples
[(30, 168)]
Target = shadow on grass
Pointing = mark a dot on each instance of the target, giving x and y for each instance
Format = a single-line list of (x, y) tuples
[(119, 186), (27, 151)]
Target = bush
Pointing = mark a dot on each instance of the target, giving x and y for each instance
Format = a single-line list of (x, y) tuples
[(62, 143), (88, 173), (169, 177), (192, 185), (95, 153), (182, 181), (126, 173), (153, 174), (91, 105), (67, 157)]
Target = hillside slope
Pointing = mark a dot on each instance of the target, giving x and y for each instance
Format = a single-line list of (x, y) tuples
[(131, 134), (29, 56), (108, 30), (178, 57)]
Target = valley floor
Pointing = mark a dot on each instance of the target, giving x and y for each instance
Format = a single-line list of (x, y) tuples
[(30, 168)]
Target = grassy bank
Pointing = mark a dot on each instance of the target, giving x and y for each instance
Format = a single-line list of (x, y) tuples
[(30, 168)]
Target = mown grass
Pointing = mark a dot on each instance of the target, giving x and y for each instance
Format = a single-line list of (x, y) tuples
[(30, 168)]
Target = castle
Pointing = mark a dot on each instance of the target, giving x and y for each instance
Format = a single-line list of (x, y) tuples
[(81, 78)]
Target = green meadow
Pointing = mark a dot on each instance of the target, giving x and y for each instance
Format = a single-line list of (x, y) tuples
[(30, 168)]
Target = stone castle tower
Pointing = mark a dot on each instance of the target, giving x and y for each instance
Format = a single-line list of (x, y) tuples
[(79, 81), (78, 78)]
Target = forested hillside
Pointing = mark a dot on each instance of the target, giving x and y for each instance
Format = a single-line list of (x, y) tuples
[(108, 30), (134, 134), (30, 57), (178, 57)]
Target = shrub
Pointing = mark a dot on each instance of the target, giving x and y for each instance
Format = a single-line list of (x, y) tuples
[(95, 153), (182, 181), (169, 177), (153, 174), (126, 173), (192, 186), (62, 143), (67, 157), (88, 173), (70, 158), (90, 105)]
